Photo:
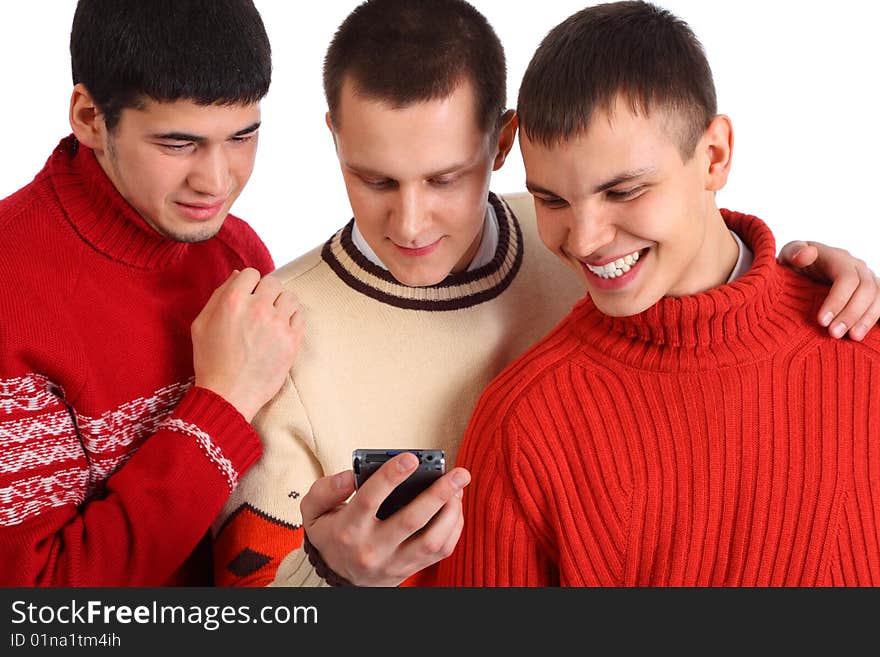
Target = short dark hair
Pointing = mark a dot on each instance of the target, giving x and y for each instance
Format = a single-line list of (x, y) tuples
[(408, 51), (633, 49), (207, 51)]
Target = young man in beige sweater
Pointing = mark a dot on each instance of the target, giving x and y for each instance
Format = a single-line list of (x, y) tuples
[(411, 308)]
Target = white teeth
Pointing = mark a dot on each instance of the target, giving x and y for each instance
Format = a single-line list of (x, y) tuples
[(617, 268)]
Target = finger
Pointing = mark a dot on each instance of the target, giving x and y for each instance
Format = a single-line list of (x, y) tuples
[(867, 323), (869, 320), (798, 254), (268, 289), (418, 513), (325, 495), (246, 281), (841, 291), (287, 304), (373, 492), (297, 324), (857, 305), (435, 542), (219, 291)]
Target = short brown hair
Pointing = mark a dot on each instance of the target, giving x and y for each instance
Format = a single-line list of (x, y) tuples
[(408, 51), (633, 49)]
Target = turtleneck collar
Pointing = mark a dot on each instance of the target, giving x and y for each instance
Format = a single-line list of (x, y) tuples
[(101, 216), (457, 291), (744, 320)]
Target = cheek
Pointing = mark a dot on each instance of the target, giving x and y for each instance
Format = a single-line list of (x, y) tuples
[(153, 177), (654, 217), (361, 199), (550, 230), (458, 213), (367, 208), (242, 165)]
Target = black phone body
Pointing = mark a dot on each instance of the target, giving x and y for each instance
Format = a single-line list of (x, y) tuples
[(432, 465)]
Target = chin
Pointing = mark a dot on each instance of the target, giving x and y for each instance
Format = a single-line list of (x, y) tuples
[(417, 278), (620, 307), (195, 234)]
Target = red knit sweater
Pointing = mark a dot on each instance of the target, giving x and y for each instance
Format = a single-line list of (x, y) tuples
[(717, 439), (112, 465)]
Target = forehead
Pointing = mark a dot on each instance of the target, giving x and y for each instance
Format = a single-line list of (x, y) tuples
[(616, 139), (422, 135), (188, 117)]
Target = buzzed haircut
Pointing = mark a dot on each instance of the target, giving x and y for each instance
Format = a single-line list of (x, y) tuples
[(408, 51), (207, 51), (633, 49)]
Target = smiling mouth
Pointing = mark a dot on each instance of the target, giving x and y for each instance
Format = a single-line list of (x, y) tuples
[(200, 212), (419, 251), (618, 267)]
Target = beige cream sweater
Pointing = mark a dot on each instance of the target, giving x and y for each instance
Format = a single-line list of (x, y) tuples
[(382, 365)]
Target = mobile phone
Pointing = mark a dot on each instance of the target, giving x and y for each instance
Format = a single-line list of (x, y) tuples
[(432, 465)]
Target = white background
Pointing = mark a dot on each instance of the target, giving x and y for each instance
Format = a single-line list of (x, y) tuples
[(798, 78)]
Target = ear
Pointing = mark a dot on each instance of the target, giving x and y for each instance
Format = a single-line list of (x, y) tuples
[(329, 123), (717, 144), (506, 137), (86, 119)]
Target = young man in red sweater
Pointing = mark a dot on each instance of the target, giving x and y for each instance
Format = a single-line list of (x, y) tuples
[(138, 340), (686, 424), (385, 110)]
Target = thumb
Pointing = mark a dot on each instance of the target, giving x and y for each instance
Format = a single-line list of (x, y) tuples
[(325, 495)]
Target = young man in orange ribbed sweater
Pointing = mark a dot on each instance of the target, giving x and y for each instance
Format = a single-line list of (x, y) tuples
[(685, 424)]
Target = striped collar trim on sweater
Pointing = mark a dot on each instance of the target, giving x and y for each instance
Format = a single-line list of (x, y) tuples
[(457, 291)]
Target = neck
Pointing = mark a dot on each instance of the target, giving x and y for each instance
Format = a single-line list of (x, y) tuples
[(744, 320), (714, 262)]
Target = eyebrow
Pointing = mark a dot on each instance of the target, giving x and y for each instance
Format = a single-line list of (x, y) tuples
[(183, 136), (626, 176), (366, 171), (537, 189)]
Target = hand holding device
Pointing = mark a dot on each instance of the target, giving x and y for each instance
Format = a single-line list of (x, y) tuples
[(372, 552), (432, 465)]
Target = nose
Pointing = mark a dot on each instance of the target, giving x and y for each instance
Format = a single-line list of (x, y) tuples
[(590, 228), (210, 173), (409, 215)]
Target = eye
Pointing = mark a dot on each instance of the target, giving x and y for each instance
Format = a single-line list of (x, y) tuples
[(244, 139), (444, 181), (625, 194), (378, 184), (177, 147), (554, 203)]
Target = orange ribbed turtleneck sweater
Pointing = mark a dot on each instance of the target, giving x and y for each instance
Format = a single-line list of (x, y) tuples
[(716, 439)]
